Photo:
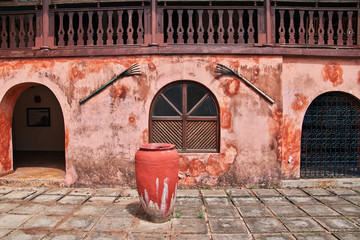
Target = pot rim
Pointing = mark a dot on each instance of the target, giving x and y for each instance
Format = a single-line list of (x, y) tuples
[(157, 146)]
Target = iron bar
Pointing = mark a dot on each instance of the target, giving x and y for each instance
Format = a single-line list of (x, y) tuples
[(131, 71), (227, 71)]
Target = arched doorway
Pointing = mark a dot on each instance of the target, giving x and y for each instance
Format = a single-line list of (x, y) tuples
[(330, 139), (38, 135)]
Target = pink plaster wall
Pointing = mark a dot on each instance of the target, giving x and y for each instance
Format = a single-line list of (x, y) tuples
[(257, 138)]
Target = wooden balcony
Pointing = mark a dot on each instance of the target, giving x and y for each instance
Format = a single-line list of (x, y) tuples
[(218, 27)]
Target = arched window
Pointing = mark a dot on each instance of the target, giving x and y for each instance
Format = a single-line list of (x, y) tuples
[(185, 114), (330, 140)]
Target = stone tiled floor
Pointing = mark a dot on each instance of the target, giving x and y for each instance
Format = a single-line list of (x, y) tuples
[(83, 213)]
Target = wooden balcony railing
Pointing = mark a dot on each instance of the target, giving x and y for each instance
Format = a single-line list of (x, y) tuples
[(249, 24)]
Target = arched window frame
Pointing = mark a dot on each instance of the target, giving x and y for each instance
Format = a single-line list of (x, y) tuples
[(186, 118)]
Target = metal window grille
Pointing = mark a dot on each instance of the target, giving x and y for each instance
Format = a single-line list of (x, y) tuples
[(330, 137)]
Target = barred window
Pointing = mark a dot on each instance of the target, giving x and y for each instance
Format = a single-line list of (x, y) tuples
[(185, 114)]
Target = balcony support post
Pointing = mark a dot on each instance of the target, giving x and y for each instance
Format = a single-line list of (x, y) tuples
[(44, 41), (268, 22)]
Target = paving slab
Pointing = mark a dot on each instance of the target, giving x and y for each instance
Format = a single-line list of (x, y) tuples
[(145, 236), (69, 199), (286, 211), (338, 224), (149, 227), (42, 222), (347, 210), (217, 202), (264, 225), (58, 191), (231, 237), (353, 199), (240, 193), (4, 189), (24, 235), (187, 193), (224, 212), (266, 192), (241, 201), (59, 210), (125, 211), (17, 195), (185, 225), (129, 192), (108, 192), (28, 209), (220, 225), (106, 236), (46, 198), (317, 191), (83, 223), (314, 236), (65, 236), (348, 235), (280, 236), (303, 200), (334, 200), (342, 191), (275, 201), (82, 192), (254, 211), (113, 224), (301, 224), (318, 210), (101, 200), (182, 212), (6, 206), (13, 220), (190, 237), (213, 193), (4, 232), (90, 210), (292, 192), (189, 202), (127, 200)]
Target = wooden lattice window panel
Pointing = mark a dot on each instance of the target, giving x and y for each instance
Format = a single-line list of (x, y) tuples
[(185, 114)]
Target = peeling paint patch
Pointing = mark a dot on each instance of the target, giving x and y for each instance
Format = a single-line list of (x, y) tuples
[(183, 163), (231, 86), (225, 118), (145, 136), (292, 147), (152, 66), (5, 133), (196, 167), (76, 72), (333, 72), (132, 119), (119, 92), (300, 102)]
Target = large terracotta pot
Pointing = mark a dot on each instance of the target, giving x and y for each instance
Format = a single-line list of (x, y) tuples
[(156, 169)]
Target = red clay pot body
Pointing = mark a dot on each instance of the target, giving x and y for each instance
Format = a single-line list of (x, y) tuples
[(156, 170)]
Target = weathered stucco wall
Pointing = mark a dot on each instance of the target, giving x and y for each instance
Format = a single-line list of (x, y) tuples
[(103, 134)]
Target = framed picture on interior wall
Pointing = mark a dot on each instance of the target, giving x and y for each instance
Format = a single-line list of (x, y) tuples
[(38, 117)]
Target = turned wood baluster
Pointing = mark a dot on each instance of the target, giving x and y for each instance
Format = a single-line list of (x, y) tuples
[(330, 31), (311, 30), (180, 29), (170, 29), (90, 30), (211, 27), (350, 30), (100, 30), (230, 29), (140, 29), (71, 29), (110, 30), (282, 28), (61, 32), (241, 29), (4, 33), (80, 31), (200, 28), (12, 32), (190, 30), (302, 28), (291, 28), (31, 32), (120, 29), (130, 29), (321, 28), (21, 32), (340, 29), (221, 27), (251, 29)]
